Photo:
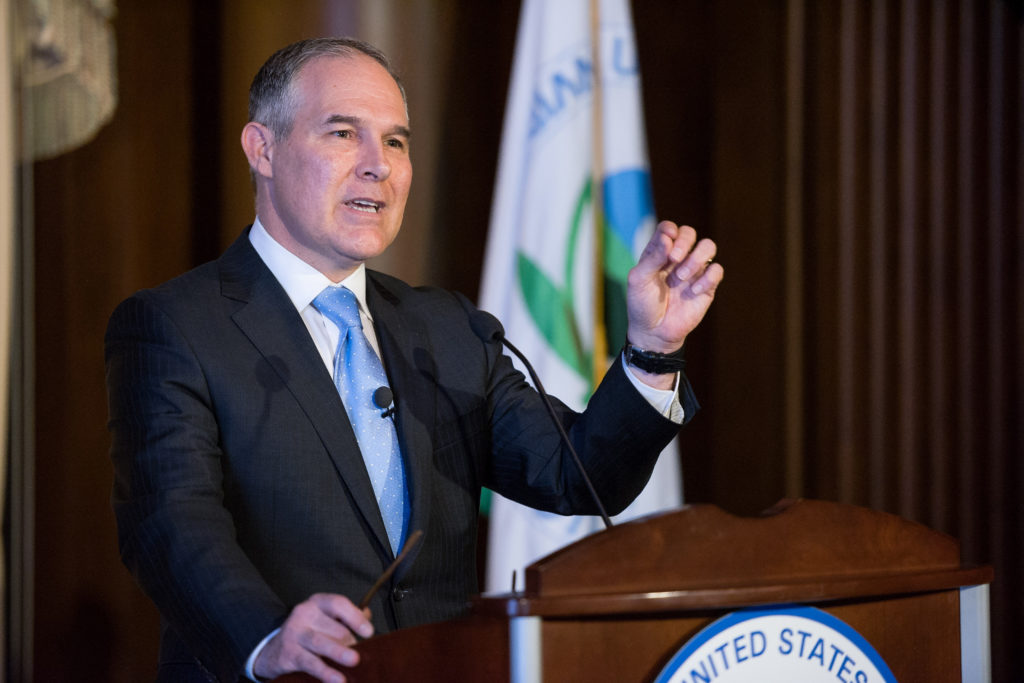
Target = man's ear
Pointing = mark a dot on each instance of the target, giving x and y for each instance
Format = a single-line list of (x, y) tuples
[(257, 143)]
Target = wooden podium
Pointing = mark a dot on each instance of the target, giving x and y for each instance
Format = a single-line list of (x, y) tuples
[(617, 606)]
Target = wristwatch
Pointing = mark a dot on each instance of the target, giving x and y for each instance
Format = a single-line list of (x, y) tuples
[(652, 361)]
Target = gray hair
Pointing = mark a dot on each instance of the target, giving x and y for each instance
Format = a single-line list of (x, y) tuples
[(270, 95)]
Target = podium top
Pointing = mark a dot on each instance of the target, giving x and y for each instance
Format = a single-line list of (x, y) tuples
[(700, 556)]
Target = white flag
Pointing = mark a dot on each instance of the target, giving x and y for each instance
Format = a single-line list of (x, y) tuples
[(539, 274)]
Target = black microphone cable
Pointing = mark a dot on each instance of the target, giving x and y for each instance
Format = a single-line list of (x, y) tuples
[(488, 329)]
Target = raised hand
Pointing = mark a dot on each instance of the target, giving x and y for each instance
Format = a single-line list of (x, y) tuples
[(671, 287)]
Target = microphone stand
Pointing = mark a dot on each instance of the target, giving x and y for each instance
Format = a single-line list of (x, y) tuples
[(561, 430)]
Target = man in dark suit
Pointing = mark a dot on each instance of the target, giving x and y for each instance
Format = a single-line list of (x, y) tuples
[(247, 506)]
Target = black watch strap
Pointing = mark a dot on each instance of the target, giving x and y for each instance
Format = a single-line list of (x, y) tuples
[(652, 361)]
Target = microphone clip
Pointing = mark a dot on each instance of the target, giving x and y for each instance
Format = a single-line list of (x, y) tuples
[(384, 398)]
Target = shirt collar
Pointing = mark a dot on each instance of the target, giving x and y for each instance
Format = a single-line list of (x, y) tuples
[(301, 281)]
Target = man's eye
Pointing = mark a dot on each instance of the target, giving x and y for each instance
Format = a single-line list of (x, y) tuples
[(395, 143), (342, 133)]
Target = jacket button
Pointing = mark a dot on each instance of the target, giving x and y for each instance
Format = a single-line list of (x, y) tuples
[(398, 593)]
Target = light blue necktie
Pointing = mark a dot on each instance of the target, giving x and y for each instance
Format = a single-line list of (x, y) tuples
[(358, 373)]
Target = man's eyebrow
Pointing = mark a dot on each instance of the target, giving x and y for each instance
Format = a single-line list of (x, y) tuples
[(350, 120)]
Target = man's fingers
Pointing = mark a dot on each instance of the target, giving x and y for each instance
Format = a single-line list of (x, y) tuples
[(709, 281), (694, 266), (286, 653), (306, 650), (675, 251), (323, 645), (318, 631), (342, 609), (656, 255), (682, 243)]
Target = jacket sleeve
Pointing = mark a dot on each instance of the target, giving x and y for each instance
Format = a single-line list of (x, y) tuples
[(175, 535), (619, 437)]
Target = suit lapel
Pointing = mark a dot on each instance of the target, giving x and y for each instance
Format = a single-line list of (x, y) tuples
[(408, 361), (270, 321)]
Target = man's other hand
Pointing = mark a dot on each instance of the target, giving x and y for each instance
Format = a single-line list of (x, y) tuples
[(325, 626)]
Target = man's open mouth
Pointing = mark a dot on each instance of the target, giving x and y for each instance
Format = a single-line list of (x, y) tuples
[(367, 205)]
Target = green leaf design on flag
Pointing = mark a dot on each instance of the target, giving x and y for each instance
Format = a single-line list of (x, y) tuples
[(551, 309)]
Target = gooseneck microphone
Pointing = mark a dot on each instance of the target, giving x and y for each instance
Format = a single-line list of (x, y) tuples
[(383, 398), (487, 327)]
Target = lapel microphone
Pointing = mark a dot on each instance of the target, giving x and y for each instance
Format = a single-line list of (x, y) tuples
[(383, 398), (487, 327)]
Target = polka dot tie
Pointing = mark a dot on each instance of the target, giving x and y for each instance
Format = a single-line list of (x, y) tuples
[(357, 374)]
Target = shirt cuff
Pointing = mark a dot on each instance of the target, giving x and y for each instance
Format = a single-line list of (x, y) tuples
[(251, 662), (665, 401)]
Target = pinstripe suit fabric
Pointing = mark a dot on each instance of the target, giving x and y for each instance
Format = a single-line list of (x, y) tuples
[(239, 489)]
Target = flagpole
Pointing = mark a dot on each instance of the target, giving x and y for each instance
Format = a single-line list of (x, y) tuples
[(600, 358)]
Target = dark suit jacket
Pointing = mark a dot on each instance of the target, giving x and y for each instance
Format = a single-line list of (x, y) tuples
[(239, 488)]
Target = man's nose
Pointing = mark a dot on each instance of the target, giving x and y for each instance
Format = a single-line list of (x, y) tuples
[(373, 162)]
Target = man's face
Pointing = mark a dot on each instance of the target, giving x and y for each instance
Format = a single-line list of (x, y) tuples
[(340, 178)]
